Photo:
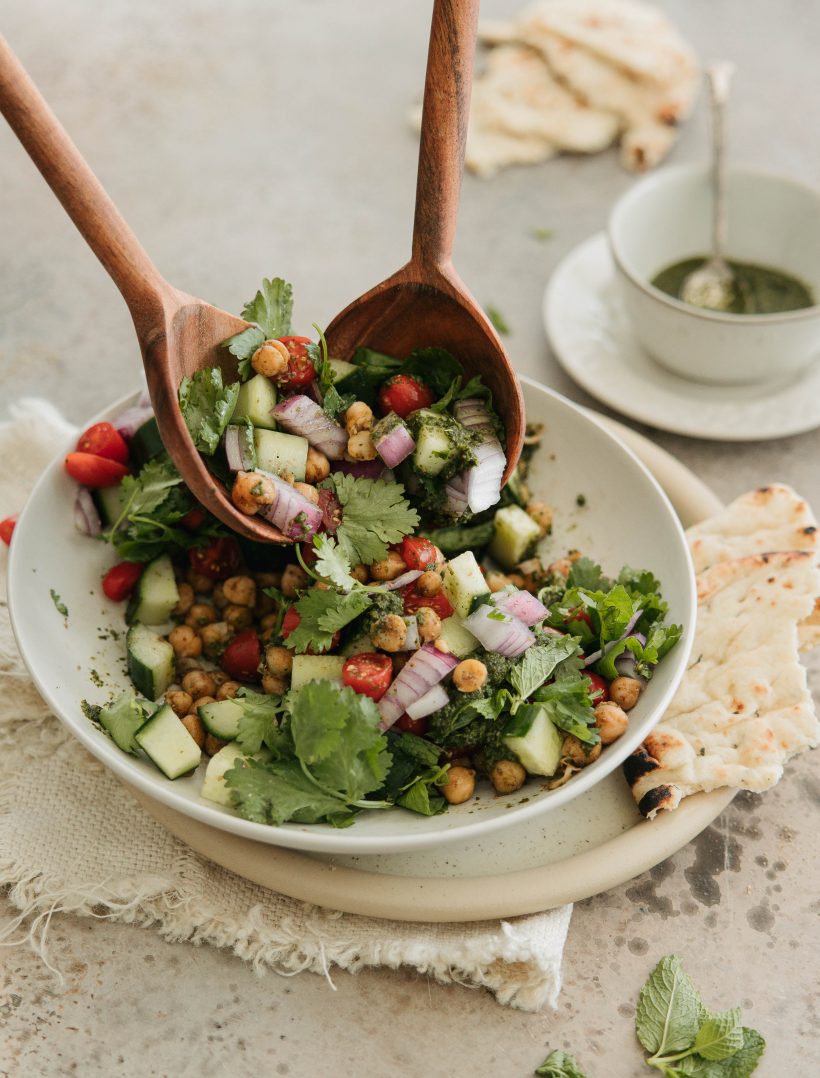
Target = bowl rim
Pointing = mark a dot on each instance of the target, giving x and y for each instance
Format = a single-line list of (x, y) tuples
[(693, 170), (307, 837)]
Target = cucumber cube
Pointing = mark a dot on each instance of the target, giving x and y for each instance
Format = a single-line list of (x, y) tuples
[(534, 740), (221, 718), (256, 400), (166, 741), (516, 536), (213, 785), (316, 668), (278, 453), (341, 368), (457, 637), (463, 582)]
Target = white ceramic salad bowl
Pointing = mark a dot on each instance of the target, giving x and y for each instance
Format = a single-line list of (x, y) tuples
[(626, 519)]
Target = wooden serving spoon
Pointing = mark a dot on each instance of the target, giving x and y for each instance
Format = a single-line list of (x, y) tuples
[(177, 333), (425, 303)]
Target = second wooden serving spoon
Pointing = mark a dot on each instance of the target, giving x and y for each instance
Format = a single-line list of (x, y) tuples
[(423, 304)]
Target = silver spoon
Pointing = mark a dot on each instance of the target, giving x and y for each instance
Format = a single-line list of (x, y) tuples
[(713, 284)]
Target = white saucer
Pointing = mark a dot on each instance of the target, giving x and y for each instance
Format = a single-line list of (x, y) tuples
[(592, 340)]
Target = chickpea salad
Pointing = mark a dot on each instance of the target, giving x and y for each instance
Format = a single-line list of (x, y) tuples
[(395, 656), (295, 414)]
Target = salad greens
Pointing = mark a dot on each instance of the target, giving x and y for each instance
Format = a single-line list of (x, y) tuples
[(374, 514), (559, 1064), (207, 406)]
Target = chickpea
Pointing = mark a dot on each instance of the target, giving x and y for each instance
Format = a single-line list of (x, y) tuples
[(541, 513), (273, 685), (270, 359), (389, 633), (389, 568), (218, 597), (429, 583), (240, 590), (460, 785), (358, 417), (201, 702), (516, 579), (202, 585), (279, 661), (185, 642), (307, 491), (214, 637), (213, 744), (201, 614), (268, 621), (470, 675), (360, 446), (360, 572), (198, 683), (507, 776), (497, 581), (268, 580), (228, 690), (238, 617), (625, 692), (577, 752), (194, 725), (429, 624), (610, 720), (294, 580), (185, 601), (219, 677), (251, 491), (561, 567), (180, 701), (532, 572), (317, 467)]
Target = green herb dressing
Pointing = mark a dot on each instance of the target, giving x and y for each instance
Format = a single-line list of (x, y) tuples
[(759, 289)]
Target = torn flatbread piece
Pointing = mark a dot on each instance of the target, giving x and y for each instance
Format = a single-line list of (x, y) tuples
[(770, 518), (743, 707)]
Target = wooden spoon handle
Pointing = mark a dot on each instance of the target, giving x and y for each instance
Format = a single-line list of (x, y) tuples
[(81, 193), (444, 129)]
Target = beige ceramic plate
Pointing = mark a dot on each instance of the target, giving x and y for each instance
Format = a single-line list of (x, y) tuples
[(578, 850)]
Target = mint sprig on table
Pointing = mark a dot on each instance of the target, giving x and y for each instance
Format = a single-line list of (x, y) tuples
[(559, 1064)]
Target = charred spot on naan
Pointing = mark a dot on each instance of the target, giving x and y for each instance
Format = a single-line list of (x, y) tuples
[(661, 797), (637, 765)]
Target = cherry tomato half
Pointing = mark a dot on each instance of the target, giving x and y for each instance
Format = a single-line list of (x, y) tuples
[(121, 579), (104, 440), (369, 674), (291, 620), (93, 471), (242, 656), (193, 519), (403, 394), (218, 560), (412, 726), (300, 370), (579, 615), (414, 601), (6, 529), (418, 553), (600, 687)]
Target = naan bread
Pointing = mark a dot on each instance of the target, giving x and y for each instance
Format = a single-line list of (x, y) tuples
[(743, 707), (618, 57), (767, 519)]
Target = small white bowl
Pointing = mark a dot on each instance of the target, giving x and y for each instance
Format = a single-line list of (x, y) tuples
[(772, 221)]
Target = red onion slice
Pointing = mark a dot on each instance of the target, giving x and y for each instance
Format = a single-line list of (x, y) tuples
[(393, 441), (132, 419), (412, 640), (499, 632), (480, 485), (301, 415), (434, 700), (292, 513), (405, 578), (360, 469), (521, 605), (424, 670), (235, 450), (86, 518)]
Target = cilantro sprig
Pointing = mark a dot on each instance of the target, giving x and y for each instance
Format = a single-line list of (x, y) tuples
[(271, 311), (207, 406), (375, 513)]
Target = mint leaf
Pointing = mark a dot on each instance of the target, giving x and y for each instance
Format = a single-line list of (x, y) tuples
[(740, 1065), (375, 513), (259, 724), (568, 704), (436, 367), (720, 1036), (242, 346), (538, 663), (423, 795), (271, 308), (670, 1011), (207, 406), (559, 1064), (331, 563), (275, 792), (59, 605)]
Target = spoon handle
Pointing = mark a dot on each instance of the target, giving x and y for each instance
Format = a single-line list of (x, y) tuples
[(444, 129), (85, 201), (720, 81)]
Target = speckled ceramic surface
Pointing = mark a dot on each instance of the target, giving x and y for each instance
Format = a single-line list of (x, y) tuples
[(592, 339)]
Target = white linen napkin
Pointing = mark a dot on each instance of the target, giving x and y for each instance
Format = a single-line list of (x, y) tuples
[(61, 847)]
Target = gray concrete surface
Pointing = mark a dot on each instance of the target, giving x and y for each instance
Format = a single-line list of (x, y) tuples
[(255, 137)]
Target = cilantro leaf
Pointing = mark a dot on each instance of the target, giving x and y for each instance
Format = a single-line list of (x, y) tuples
[(271, 308), (242, 346), (559, 1064), (585, 573), (279, 791), (331, 563), (321, 614), (567, 703), (374, 514), (720, 1036), (207, 406), (423, 795), (670, 1010), (59, 605), (539, 662), (120, 720), (145, 492), (259, 724)]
